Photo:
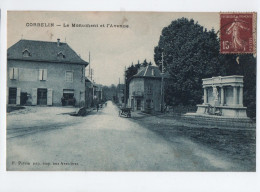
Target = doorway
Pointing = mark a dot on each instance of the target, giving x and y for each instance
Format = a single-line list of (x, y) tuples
[(12, 95), (24, 98), (138, 104), (42, 97)]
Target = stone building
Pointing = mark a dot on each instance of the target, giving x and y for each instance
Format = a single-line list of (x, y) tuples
[(145, 90), (45, 73), (89, 100), (120, 94)]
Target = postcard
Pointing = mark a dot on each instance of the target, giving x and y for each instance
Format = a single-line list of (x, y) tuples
[(131, 91)]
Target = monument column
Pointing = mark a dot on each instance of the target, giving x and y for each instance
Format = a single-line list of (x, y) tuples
[(235, 95), (241, 96), (222, 96), (205, 95)]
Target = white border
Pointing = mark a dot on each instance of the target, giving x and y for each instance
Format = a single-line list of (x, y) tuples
[(120, 181)]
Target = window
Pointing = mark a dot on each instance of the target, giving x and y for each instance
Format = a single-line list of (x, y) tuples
[(60, 55), (26, 53), (13, 73), (153, 72), (149, 90), (69, 76), (43, 74)]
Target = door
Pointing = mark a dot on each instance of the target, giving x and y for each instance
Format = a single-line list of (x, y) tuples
[(24, 98), (12, 95), (138, 104), (42, 97)]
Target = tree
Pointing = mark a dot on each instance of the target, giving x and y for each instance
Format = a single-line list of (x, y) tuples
[(190, 54)]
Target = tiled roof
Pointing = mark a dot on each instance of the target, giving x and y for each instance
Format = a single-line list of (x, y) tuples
[(44, 51), (151, 72)]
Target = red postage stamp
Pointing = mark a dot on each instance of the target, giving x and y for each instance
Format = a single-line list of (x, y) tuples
[(237, 33)]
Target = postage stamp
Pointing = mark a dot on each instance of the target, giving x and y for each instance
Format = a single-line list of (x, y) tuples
[(237, 32)]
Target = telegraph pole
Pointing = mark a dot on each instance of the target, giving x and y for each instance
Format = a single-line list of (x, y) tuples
[(162, 87), (89, 69), (125, 89)]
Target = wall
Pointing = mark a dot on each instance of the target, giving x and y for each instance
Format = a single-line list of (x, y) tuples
[(141, 85), (136, 85), (55, 78), (155, 95)]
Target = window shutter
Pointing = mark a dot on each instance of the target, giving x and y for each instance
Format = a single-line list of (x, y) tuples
[(49, 97), (18, 96), (45, 74), (15, 73), (34, 96), (11, 73), (40, 74)]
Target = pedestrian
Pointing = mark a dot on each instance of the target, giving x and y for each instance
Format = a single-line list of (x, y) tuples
[(97, 107)]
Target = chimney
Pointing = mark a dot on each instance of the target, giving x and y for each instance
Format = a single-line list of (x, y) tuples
[(58, 42)]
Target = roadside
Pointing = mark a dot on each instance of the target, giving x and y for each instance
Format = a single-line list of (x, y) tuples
[(32, 119), (236, 144)]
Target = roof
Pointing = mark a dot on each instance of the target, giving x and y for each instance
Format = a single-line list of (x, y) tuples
[(150, 72), (44, 51), (121, 86)]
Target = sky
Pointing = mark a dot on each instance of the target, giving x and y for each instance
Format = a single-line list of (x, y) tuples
[(111, 49)]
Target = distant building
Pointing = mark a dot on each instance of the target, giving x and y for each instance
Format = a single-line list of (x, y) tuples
[(89, 100), (98, 93), (145, 92), (45, 73), (120, 93)]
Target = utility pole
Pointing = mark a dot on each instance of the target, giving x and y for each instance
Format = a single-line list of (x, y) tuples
[(162, 87), (89, 69), (125, 89), (91, 73)]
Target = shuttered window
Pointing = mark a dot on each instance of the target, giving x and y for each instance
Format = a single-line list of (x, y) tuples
[(149, 90), (42, 74), (69, 76), (13, 73)]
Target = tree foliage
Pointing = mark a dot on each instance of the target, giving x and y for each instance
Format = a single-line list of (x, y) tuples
[(191, 53)]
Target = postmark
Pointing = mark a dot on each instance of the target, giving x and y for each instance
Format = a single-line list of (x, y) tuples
[(237, 33)]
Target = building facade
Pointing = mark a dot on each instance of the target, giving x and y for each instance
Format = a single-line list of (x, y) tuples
[(121, 94), (45, 73), (145, 90)]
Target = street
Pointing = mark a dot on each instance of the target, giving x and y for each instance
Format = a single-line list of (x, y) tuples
[(102, 141)]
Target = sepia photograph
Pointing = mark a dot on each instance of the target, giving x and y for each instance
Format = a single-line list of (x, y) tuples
[(131, 91)]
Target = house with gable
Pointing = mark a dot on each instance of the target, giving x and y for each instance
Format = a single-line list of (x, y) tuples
[(145, 89), (45, 73)]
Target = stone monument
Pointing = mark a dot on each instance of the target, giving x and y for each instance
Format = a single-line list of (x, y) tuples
[(224, 95)]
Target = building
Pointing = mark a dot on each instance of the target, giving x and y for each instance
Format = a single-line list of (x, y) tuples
[(45, 73), (89, 92), (98, 93), (145, 90), (120, 94)]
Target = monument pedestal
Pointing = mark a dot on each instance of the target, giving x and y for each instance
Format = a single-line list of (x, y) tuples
[(227, 111)]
